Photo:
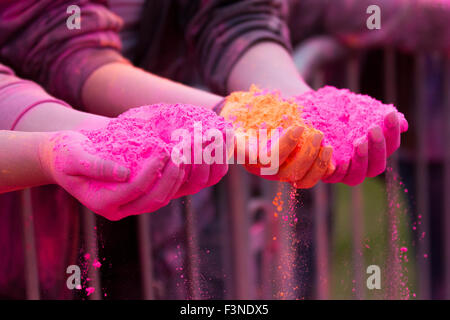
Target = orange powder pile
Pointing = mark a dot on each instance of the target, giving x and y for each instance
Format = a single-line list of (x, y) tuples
[(257, 109)]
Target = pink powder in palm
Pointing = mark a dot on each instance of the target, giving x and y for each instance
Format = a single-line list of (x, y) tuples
[(137, 133), (342, 116)]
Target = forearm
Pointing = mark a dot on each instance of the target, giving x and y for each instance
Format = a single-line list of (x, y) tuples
[(20, 166), (270, 66), (55, 117), (116, 87)]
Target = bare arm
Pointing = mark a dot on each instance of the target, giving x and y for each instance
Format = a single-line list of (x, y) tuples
[(54, 117), (116, 87), (19, 163), (270, 66)]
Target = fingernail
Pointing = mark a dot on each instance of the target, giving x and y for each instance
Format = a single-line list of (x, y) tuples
[(122, 173), (391, 120), (330, 170), (362, 149), (297, 133), (326, 153), (376, 134), (343, 167), (404, 125), (317, 139)]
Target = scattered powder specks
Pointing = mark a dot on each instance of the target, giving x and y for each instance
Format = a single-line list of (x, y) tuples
[(90, 290)]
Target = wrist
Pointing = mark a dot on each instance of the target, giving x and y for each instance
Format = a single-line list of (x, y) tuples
[(44, 146), (219, 106), (91, 122)]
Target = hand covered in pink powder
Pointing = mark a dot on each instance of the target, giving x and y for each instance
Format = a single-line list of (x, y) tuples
[(104, 186), (203, 175), (370, 153)]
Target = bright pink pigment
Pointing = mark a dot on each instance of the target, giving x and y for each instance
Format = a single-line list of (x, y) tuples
[(342, 116), (135, 134)]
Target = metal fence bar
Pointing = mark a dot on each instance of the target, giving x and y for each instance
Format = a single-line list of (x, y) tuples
[(90, 233), (447, 177), (422, 177), (30, 254), (353, 72), (237, 193), (321, 236), (260, 244), (221, 204), (145, 255), (192, 251), (321, 257)]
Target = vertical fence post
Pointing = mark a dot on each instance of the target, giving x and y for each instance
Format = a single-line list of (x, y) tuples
[(321, 236), (29, 244), (90, 234), (239, 224), (260, 243), (356, 197), (422, 178), (192, 251), (221, 206), (446, 192), (145, 255), (321, 242)]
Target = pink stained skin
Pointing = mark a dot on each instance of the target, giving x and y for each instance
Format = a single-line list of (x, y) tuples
[(115, 189), (362, 131), (115, 87), (81, 174), (134, 136), (106, 186), (29, 160)]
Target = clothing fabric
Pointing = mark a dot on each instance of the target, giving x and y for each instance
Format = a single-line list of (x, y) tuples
[(17, 96), (193, 41), (37, 44)]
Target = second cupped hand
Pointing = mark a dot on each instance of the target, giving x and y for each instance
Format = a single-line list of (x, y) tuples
[(302, 160), (371, 152), (104, 186)]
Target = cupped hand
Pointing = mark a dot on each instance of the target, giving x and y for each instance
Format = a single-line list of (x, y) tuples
[(295, 154), (370, 153), (104, 186), (213, 165), (302, 160)]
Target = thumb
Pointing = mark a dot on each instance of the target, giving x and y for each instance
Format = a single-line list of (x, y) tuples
[(287, 143), (403, 123), (99, 169)]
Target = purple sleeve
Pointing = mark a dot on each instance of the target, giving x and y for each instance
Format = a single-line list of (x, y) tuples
[(221, 31), (17, 96), (36, 42)]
